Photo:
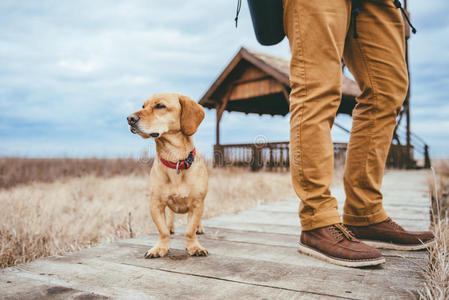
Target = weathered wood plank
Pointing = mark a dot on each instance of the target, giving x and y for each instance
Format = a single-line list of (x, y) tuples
[(107, 271), (416, 212), (288, 269), (259, 226), (17, 285), (266, 252), (283, 240), (122, 266), (291, 218), (294, 204)]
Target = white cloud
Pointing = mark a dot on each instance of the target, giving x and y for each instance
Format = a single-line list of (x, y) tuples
[(79, 65)]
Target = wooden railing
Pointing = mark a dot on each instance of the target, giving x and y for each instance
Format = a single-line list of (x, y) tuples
[(270, 156), (275, 156), (402, 157)]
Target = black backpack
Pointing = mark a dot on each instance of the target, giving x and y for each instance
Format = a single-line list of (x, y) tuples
[(267, 17)]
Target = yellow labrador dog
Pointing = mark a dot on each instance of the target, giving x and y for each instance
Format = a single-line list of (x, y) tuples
[(178, 178)]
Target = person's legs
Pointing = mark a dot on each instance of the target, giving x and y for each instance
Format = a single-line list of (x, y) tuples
[(377, 60), (316, 31)]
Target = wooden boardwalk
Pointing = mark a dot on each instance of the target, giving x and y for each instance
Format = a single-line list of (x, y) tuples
[(252, 256)]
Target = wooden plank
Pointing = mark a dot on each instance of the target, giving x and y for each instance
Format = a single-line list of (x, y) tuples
[(291, 218), (107, 271), (265, 239), (122, 266), (250, 73), (17, 285), (415, 211), (259, 226), (289, 269), (283, 240), (255, 89)]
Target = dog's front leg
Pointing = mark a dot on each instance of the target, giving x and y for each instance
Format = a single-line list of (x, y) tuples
[(170, 220), (200, 228), (157, 210), (194, 218)]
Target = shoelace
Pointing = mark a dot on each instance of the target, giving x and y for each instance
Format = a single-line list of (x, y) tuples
[(396, 225), (355, 12), (340, 231)]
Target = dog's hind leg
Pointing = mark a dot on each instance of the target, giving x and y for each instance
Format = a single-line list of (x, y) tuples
[(194, 218), (170, 218), (163, 244)]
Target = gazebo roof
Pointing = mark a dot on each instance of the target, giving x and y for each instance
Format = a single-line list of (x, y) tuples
[(348, 86), (255, 82)]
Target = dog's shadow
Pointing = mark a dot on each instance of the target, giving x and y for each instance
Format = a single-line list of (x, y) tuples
[(177, 254)]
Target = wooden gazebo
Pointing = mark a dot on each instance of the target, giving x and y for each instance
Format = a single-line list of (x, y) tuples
[(258, 83)]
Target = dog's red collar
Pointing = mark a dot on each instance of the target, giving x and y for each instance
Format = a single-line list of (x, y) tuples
[(181, 164)]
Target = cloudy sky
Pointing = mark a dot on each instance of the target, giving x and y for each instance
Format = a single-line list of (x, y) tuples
[(71, 71)]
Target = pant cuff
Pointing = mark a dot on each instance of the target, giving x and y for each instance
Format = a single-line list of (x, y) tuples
[(365, 220), (320, 220)]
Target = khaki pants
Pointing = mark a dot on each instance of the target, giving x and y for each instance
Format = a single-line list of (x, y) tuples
[(320, 34)]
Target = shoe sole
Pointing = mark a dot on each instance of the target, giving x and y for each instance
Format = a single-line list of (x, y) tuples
[(339, 261), (391, 246)]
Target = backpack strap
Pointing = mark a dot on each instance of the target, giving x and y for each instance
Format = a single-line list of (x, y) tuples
[(355, 12)]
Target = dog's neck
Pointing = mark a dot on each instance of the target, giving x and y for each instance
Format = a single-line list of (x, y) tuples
[(174, 146)]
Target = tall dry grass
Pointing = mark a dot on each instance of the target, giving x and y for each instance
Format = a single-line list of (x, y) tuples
[(436, 272), (47, 218)]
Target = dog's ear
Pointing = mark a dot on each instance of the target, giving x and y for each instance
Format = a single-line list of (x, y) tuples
[(191, 115)]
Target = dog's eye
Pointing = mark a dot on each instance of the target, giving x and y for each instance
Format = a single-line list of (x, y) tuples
[(159, 105), (143, 106)]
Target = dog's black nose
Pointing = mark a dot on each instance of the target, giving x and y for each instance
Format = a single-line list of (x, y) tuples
[(133, 119)]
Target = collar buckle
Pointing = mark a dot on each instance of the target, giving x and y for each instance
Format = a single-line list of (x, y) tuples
[(177, 168)]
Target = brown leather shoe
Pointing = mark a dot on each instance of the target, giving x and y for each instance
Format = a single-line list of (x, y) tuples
[(337, 245), (389, 235)]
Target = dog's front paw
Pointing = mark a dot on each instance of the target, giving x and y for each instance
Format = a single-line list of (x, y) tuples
[(156, 251), (197, 250)]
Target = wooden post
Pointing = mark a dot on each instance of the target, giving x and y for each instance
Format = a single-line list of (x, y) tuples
[(220, 109), (426, 157), (286, 95), (409, 160), (219, 159), (217, 127), (257, 160)]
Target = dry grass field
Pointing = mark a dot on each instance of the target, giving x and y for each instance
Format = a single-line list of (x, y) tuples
[(55, 206), (15, 170)]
